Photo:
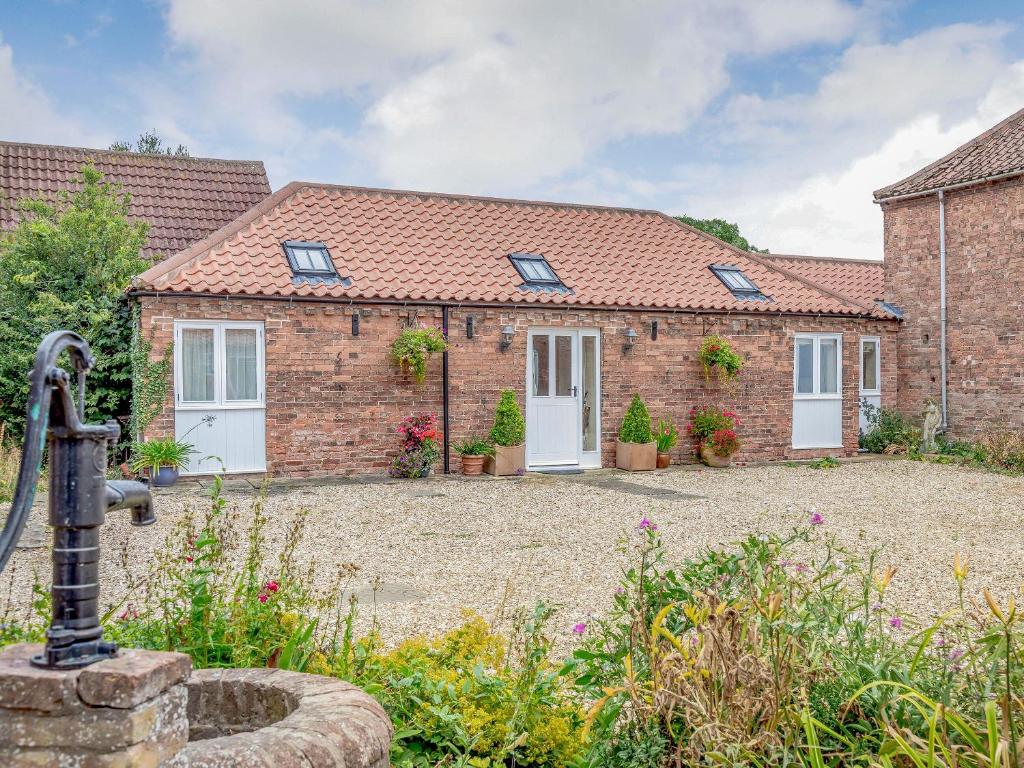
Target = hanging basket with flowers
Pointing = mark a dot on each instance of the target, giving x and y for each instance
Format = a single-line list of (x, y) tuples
[(413, 348), (716, 354)]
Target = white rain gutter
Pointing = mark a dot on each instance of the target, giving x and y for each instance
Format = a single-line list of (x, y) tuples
[(942, 305)]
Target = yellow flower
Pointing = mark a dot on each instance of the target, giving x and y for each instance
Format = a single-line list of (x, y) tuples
[(1011, 609), (882, 581), (961, 567)]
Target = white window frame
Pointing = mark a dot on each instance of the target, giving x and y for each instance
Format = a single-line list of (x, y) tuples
[(877, 341), (220, 383), (816, 393)]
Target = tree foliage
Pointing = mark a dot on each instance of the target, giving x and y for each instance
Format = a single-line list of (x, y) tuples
[(723, 230), (636, 424), (67, 264), (149, 143)]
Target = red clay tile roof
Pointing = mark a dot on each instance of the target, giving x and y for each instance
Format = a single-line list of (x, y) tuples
[(862, 280), (998, 151), (183, 199), (416, 246)]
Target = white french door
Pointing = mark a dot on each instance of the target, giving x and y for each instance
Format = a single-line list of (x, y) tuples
[(870, 377), (563, 398), (219, 395), (818, 390)]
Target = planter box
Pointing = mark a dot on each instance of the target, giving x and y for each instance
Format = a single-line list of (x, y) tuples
[(636, 457), (507, 460), (712, 460)]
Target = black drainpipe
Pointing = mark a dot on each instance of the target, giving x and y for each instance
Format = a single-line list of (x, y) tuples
[(444, 388)]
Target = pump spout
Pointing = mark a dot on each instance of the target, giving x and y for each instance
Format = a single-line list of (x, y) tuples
[(133, 495)]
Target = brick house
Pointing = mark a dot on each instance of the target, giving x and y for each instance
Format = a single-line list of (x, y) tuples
[(183, 199), (954, 265), (282, 322)]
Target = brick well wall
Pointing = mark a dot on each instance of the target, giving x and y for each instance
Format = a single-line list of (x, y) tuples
[(985, 299), (333, 401)]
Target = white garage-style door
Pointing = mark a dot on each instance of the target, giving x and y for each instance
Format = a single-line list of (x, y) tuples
[(219, 395), (563, 398), (870, 377), (817, 390)]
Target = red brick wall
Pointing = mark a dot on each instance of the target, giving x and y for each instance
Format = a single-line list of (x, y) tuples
[(985, 303), (333, 401)]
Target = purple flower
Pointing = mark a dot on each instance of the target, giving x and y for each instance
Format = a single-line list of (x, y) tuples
[(876, 606), (620, 590), (647, 525), (956, 654), (800, 568), (817, 519), (579, 628), (896, 622)]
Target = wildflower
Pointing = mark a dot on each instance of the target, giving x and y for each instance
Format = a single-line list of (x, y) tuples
[(882, 581), (271, 586), (956, 654), (800, 568), (817, 519), (647, 525), (961, 567), (188, 559), (620, 590), (876, 606), (579, 628), (1011, 608), (263, 597), (896, 622)]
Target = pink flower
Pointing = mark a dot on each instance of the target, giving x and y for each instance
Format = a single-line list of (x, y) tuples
[(188, 559), (264, 597), (271, 586), (647, 525), (579, 628), (896, 622), (817, 519)]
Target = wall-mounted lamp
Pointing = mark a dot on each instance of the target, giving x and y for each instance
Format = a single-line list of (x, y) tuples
[(355, 324), (630, 340), (506, 337), (469, 327), (654, 330)]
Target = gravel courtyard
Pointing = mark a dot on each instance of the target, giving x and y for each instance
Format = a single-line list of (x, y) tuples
[(440, 545)]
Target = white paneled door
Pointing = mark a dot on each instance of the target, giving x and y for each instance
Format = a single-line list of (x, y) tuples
[(219, 395), (818, 390), (563, 398)]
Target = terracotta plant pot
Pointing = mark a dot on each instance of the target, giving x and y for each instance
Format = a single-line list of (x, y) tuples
[(712, 459), (472, 465), (664, 460), (507, 460), (636, 457)]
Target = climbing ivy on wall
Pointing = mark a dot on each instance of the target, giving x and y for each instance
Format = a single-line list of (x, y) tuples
[(150, 378)]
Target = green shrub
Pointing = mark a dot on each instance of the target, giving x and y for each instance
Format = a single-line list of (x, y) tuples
[(636, 424), (825, 462), (474, 446), (161, 452), (413, 348), (888, 431), (509, 426)]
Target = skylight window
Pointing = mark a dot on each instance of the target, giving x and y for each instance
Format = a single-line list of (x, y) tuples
[(309, 259), (741, 286), (534, 269)]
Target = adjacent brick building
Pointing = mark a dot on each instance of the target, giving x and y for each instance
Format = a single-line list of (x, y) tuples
[(282, 324), (183, 199), (968, 207)]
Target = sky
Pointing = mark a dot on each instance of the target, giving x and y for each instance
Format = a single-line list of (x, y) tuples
[(780, 115)]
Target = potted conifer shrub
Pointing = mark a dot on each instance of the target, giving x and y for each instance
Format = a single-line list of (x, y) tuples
[(508, 436), (636, 449)]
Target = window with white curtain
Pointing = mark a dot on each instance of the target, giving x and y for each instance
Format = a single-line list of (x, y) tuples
[(218, 363), (869, 365), (817, 365)]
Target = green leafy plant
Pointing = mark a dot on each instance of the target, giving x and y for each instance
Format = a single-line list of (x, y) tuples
[(723, 442), (825, 462), (413, 348), (162, 452), (509, 425), (888, 431), (419, 449), (667, 435), (150, 379), (709, 418), (474, 446), (716, 354), (636, 424), (67, 264)]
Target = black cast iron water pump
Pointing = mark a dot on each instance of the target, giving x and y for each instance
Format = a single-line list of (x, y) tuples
[(80, 495)]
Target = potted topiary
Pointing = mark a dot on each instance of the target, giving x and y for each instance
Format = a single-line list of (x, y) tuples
[(713, 429), (508, 436), (473, 452), (161, 459), (636, 449), (667, 436)]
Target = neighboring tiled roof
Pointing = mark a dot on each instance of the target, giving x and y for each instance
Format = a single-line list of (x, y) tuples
[(416, 246), (862, 280), (999, 150), (183, 199)]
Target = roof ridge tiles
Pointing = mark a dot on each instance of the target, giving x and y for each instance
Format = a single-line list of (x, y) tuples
[(172, 159)]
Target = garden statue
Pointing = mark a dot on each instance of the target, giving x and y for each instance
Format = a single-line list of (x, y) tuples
[(932, 420), (80, 496)]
